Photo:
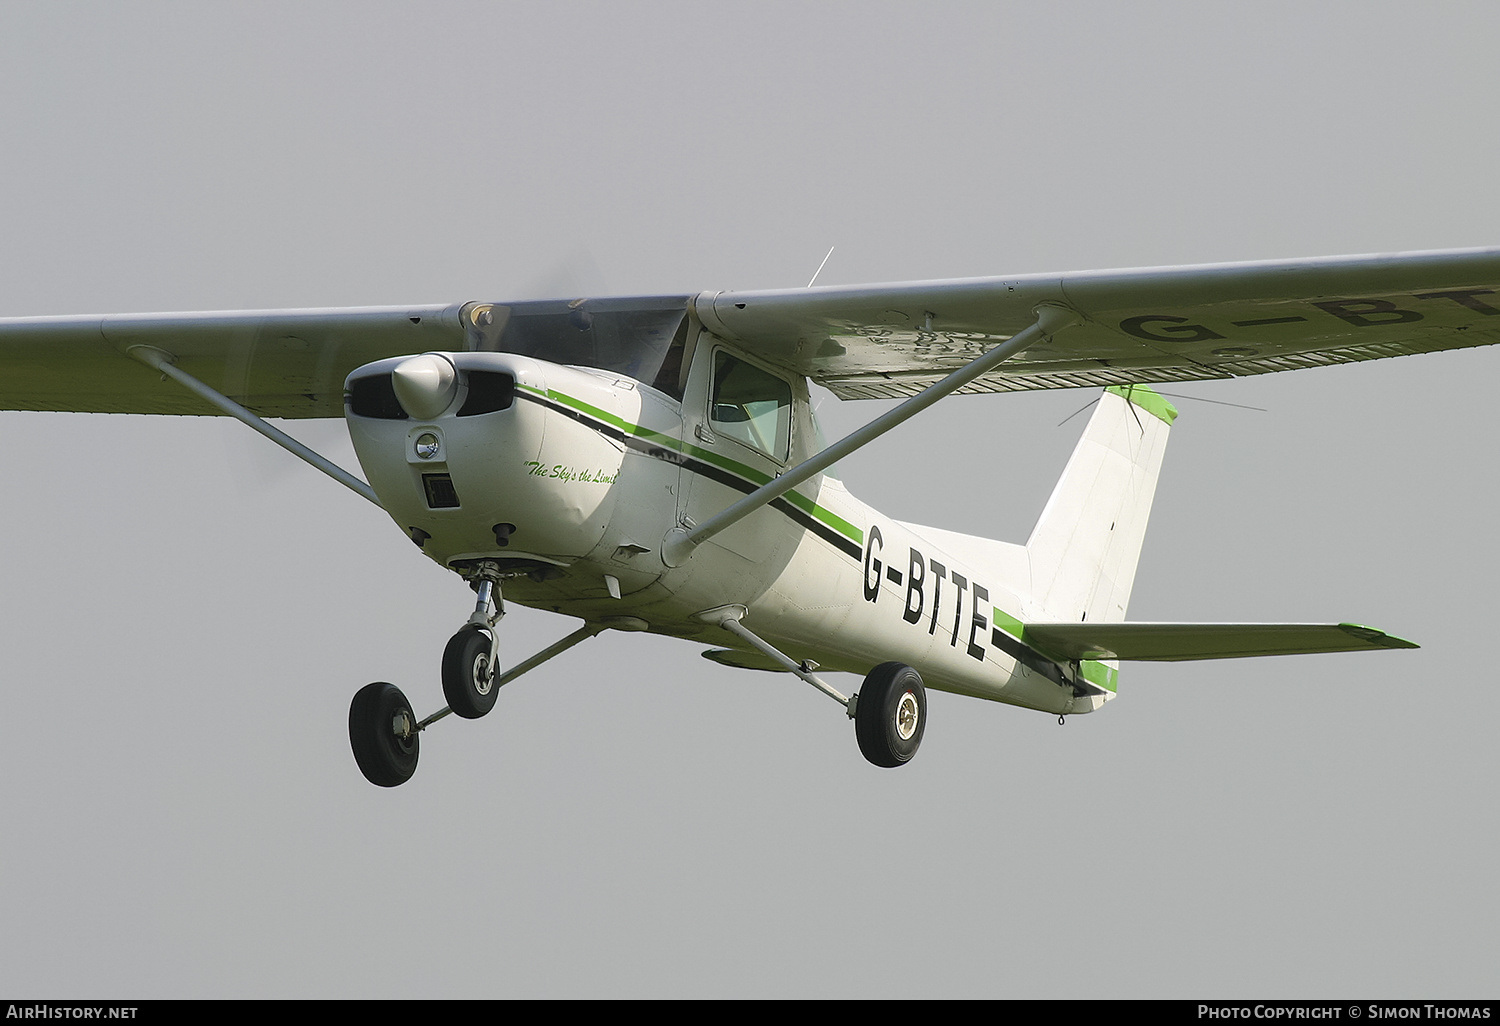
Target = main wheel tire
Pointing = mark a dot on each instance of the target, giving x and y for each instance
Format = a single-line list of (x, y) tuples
[(891, 714), (468, 681), (383, 734)]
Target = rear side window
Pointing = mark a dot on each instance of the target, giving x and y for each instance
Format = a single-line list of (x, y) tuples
[(751, 406)]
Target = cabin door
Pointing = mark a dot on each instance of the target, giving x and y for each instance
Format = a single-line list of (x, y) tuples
[(737, 435)]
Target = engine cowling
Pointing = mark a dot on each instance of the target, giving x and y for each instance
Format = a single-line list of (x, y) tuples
[(488, 455)]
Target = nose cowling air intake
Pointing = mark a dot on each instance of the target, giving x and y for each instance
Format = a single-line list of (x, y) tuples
[(425, 385)]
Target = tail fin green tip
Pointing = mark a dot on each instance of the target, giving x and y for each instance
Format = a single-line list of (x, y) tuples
[(1143, 397)]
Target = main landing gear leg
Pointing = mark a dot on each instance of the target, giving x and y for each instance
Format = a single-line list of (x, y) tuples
[(889, 711)]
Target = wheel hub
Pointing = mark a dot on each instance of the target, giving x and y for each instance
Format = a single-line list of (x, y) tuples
[(401, 727), (906, 716), (483, 678)]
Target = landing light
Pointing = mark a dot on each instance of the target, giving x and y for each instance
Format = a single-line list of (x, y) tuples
[(427, 445)]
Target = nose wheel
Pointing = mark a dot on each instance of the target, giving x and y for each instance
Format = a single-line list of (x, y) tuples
[(469, 668)]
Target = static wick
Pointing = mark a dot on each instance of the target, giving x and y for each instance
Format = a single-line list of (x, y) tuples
[(820, 268)]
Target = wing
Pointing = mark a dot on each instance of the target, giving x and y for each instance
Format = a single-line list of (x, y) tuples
[(1150, 325), (876, 341), (292, 363), (1173, 642), (285, 363)]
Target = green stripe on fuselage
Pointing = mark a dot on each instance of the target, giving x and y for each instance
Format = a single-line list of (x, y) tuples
[(1100, 674), (1007, 623), (755, 477), (1095, 672)]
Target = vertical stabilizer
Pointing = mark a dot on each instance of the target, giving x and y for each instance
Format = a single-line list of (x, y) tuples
[(1084, 549)]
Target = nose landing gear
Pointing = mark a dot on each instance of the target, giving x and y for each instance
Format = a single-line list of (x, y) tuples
[(471, 660)]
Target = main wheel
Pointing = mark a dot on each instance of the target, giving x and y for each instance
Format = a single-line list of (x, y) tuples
[(383, 734), (468, 678), (891, 714)]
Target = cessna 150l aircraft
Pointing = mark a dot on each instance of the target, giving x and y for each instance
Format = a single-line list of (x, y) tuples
[(653, 464)]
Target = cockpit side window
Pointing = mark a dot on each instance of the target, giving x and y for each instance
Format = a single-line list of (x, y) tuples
[(751, 406)]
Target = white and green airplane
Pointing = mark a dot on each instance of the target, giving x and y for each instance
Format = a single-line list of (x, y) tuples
[(653, 463)]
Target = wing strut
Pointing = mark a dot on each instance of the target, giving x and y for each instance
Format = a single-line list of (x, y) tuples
[(680, 543), (166, 363)]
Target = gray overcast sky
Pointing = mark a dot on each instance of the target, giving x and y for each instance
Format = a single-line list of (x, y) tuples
[(187, 611)]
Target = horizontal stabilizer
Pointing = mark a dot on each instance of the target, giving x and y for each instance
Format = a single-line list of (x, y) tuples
[(1172, 642)]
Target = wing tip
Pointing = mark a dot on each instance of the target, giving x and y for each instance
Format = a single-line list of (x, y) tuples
[(1376, 638)]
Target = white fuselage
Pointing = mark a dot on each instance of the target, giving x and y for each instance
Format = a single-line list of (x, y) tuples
[(573, 480)]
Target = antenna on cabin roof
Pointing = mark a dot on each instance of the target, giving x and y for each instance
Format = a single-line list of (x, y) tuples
[(820, 268)]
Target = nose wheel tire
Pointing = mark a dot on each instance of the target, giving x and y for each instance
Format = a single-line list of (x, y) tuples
[(891, 714), (383, 734), (468, 677)]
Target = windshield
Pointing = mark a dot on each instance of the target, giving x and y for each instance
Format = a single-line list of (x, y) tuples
[(632, 337)]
